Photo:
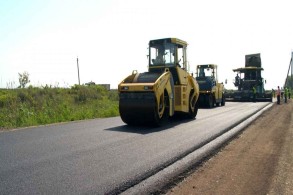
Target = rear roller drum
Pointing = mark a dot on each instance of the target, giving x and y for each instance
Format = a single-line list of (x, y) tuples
[(161, 114), (223, 102), (210, 101), (193, 107)]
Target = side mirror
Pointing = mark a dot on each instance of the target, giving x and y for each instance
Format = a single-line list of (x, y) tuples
[(226, 81)]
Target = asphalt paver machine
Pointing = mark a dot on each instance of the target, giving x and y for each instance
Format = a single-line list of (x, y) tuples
[(249, 82)]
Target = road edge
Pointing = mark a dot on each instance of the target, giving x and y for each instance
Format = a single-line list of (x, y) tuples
[(158, 181)]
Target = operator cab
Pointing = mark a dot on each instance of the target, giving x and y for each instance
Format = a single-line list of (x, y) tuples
[(206, 71), (252, 77), (206, 75), (168, 53)]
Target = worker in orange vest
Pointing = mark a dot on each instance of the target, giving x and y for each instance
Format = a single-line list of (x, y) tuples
[(278, 95)]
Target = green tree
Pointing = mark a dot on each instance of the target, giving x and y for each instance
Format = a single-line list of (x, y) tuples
[(23, 79)]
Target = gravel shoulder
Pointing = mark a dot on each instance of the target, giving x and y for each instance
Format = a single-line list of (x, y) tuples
[(258, 161)]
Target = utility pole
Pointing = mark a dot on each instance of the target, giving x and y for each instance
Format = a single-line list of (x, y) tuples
[(291, 70), (287, 81), (78, 71)]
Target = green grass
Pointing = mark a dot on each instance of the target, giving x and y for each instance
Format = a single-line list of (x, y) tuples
[(39, 106)]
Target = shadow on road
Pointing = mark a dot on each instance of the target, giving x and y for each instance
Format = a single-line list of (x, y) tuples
[(147, 129)]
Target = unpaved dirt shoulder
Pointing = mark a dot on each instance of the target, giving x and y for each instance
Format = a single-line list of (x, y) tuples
[(258, 161), (282, 180)]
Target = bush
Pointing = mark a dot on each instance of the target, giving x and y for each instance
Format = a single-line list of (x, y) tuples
[(7, 100)]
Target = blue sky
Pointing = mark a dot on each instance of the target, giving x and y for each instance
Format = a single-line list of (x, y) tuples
[(110, 37)]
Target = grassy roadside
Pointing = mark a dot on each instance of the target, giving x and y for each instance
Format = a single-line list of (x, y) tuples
[(39, 106)]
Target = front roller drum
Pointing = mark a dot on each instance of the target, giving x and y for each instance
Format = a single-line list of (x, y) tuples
[(139, 109)]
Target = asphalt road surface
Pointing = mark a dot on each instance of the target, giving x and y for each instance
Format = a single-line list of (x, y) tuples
[(104, 156)]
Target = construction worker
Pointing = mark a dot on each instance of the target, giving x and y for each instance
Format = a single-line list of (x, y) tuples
[(278, 95), (254, 93), (237, 80), (286, 94)]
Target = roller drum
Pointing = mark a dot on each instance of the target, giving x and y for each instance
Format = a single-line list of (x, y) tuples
[(138, 108)]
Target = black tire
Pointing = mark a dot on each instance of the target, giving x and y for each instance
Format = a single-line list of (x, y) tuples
[(210, 101), (160, 120), (193, 106), (223, 100)]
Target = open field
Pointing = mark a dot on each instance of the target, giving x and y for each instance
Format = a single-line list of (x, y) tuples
[(38, 106)]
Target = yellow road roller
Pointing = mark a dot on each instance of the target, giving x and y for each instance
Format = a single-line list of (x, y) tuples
[(151, 98), (211, 92)]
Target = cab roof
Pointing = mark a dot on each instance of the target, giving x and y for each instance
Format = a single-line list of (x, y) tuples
[(207, 66), (168, 40), (249, 68)]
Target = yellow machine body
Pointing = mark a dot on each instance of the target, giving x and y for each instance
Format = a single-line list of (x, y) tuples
[(167, 88)]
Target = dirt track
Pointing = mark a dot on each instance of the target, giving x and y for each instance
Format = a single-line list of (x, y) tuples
[(258, 161)]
